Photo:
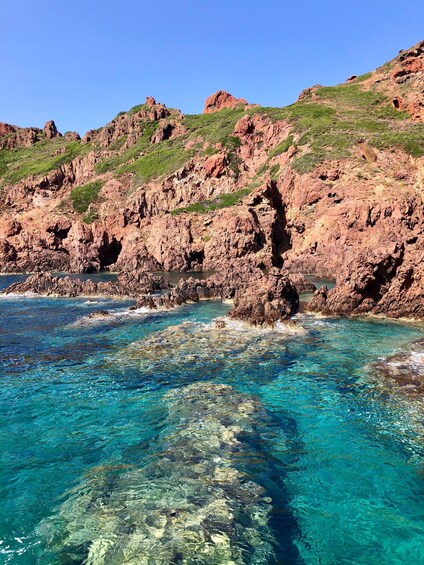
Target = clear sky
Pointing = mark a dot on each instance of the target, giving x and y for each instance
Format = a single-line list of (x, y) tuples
[(80, 62)]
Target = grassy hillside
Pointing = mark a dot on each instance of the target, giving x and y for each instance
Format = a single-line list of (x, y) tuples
[(327, 124)]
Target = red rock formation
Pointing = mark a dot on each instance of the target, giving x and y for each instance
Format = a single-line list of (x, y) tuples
[(220, 100), (215, 165), (131, 284), (12, 137), (388, 282), (266, 300), (329, 218), (50, 130), (407, 76), (6, 129)]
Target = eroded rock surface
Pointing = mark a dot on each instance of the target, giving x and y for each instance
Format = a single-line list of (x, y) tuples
[(127, 284), (163, 191), (266, 301), (220, 100), (389, 283)]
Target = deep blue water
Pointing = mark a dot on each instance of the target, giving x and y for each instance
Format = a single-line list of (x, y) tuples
[(342, 460)]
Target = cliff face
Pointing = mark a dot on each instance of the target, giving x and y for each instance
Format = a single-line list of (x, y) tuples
[(314, 186)]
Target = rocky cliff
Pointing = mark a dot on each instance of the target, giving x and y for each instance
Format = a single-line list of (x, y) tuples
[(331, 185)]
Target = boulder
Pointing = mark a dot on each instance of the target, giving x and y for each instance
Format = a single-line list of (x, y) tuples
[(266, 301)]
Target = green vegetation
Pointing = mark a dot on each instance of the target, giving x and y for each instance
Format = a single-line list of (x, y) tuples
[(137, 108), (409, 139), (221, 201), (281, 147), (142, 144), (39, 159), (163, 159), (327, 124), (351, 94), (215, 128), (118, 143), (274, 170), (363, 77), (231, 144), (337, 119), (90, 217), (83, 196)]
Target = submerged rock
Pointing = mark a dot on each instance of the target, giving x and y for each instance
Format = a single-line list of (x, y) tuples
[(403, 372), (205, 348), (99, 314), (191, 502), (398, 382)]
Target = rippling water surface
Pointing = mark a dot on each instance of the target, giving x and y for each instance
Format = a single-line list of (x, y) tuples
[(101, 459)]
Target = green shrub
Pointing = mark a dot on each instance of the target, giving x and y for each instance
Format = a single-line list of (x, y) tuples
[(143, 143), (282, 147), (274, 170), (39, 159), (90, 217), (216, 127), (164, 159), (83, 196), (410, 140), (221, 201), (363, 77)]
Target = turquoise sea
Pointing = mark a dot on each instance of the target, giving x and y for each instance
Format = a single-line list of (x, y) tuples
[(103, 422)]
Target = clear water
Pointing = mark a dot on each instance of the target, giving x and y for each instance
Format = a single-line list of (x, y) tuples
[(341, 460)]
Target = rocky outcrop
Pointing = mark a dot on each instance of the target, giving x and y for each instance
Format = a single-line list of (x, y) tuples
[(220, 100), (301, 283), (130, 125), (262, 186), (224, 285), (128, 284), (266, 301), (13, 137), (389, 283), (259, 299), (50, 130), (405, 82), (403, 372)]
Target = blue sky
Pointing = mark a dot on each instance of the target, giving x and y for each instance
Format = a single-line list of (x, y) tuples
[(80, 62)]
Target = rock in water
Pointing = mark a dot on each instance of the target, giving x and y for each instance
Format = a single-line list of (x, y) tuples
[(129, 284), (190, 503), (99, 314), (266, 301), (387, 282)]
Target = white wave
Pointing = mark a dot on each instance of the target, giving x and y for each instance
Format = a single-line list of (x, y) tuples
[(19, 295), (113, 315), (224, 323)]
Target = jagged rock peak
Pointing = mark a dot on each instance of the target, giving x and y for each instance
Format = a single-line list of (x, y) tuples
[(150, 101), (6, 129), (50, 130), (220, 100)]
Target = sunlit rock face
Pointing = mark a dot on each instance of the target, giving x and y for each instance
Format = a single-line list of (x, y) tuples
[(189, 503)]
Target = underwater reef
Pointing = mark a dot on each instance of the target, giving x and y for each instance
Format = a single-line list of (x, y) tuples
[(190, 502)]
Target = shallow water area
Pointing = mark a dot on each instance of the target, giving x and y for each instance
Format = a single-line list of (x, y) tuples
[(329, 460)]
